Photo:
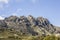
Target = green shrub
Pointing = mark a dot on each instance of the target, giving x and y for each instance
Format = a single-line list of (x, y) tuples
[(50, 38)]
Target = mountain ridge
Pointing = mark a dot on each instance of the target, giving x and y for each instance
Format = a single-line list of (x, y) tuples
[(29, 25)]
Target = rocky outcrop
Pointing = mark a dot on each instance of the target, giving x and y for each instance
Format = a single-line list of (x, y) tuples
[(3, 24), (29, 25)]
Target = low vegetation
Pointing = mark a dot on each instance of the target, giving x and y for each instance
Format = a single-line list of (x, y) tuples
[(31, 38)]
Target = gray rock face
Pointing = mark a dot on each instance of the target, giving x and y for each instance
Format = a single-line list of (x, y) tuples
[(28, 25), (32, 20), (11, 18), (43, 22), (3, 24)]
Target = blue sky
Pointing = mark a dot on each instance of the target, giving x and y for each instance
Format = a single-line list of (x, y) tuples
[(49, 9)]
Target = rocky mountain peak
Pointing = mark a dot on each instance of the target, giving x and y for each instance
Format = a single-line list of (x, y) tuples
[(29, 25), (30, 17)]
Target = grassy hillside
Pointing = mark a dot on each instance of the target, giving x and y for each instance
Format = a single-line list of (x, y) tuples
[(7, 34)]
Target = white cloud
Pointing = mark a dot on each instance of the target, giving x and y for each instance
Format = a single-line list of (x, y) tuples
[(1, 6), (16, 12), (1, 18), (19, 0), (33, 1), (4, 1)]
